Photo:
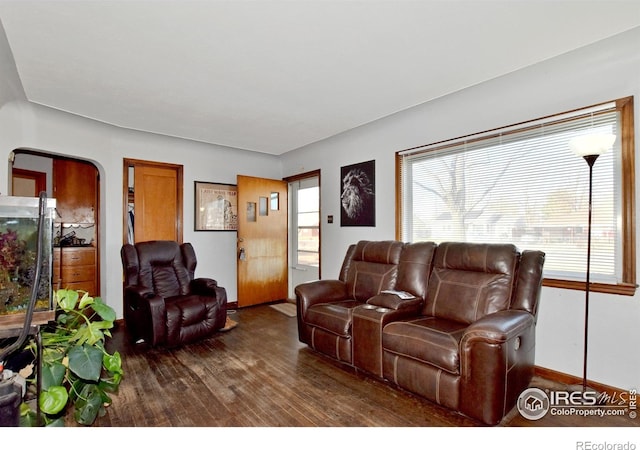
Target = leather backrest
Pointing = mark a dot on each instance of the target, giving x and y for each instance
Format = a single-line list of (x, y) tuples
[(529, 282), (414, 268), (161, 268), (346, 263), (130, 264), (373, 268), (189, 258), (469, 281)]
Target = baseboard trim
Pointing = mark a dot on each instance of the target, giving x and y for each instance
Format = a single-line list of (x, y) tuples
[(572, 380)]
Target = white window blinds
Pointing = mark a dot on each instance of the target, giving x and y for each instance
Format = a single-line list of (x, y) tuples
[(521, 185)]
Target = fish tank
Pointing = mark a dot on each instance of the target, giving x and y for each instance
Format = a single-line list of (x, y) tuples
[(19, 217)]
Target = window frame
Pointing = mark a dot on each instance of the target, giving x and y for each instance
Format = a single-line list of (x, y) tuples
[(293, 222), (625, 107)]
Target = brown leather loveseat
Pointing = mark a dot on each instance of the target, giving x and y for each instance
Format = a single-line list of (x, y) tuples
[(463, 338)]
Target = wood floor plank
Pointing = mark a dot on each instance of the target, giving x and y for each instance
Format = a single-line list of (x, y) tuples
[(259, 375)]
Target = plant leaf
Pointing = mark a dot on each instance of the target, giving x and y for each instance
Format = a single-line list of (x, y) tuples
[(67, 298), (63, 318), (90, 333), (27, 416), (105, 311), (53, 400), (113, 363), (85, 301), (52, 375), (86, 362), (59, 422), (89, 405)]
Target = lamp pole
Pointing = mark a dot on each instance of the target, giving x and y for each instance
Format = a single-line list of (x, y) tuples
[(590, 146), (591, 159)]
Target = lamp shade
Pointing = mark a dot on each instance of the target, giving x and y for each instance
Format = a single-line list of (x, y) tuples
[(592, 144)]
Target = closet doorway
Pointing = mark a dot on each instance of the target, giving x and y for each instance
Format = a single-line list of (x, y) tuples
[(153, 204)]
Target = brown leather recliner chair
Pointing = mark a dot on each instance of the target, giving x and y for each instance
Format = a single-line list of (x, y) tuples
[(472, 347), (163, 303)]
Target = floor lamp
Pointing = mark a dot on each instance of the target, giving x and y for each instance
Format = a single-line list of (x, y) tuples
[(589, 147)]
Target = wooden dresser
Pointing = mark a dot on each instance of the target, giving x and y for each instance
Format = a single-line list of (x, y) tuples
[(75, 268)]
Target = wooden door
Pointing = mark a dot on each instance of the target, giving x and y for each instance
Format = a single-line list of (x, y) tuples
[(154, 201), (262, 240)]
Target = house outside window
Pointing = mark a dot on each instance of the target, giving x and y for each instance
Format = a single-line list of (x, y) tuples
[(522, 184)]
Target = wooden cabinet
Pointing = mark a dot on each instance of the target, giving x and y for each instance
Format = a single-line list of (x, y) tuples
[(75, 188), (75, 268)]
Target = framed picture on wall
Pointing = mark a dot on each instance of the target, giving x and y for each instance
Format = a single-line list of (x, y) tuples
[(357, 195), (216, 207)]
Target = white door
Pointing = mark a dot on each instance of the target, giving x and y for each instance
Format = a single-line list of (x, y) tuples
[(304, 235)]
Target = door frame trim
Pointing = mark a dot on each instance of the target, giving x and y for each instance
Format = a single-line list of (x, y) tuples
[(39, 178)]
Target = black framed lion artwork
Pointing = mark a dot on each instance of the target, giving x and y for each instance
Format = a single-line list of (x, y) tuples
[(357, 195)]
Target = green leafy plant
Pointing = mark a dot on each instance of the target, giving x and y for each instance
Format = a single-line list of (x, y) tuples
[(77, 370)]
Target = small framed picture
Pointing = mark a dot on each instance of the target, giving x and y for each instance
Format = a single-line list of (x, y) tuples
[(216, 207)]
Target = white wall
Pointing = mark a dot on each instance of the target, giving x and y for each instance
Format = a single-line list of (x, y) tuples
[(604, 71), (35, 127)]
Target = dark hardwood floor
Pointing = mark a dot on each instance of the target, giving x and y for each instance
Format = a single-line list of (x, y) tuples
[(259, 375)]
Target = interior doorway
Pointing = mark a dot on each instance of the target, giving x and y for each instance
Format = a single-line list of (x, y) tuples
[(153, 204), (75, 184), (304, 234)]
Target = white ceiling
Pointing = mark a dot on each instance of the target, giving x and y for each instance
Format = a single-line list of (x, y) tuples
[(272, 76)]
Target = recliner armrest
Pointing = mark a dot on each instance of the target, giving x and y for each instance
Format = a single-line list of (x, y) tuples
[(136, 291), (203, 286), (497, 356), (499, 327), (320, 291)]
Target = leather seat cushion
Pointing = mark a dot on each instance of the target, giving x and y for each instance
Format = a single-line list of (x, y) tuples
[(429, 340), (334, 317), (183, 311)]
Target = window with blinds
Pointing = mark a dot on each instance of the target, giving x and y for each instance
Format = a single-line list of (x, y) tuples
[(307, 223), (523, 185)]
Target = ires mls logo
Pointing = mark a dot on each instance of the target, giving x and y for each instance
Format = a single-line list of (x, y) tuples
[(574, 398), (534, 403)]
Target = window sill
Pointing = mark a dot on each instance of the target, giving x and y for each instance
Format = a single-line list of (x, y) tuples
[(618, 289)]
